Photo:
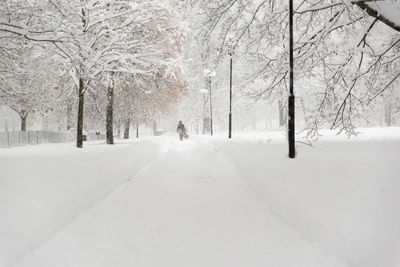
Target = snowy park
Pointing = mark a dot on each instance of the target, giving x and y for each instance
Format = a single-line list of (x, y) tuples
[(199, 133), (203, 202)]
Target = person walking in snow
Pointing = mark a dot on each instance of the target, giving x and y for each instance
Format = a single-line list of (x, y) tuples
[(181, 130)]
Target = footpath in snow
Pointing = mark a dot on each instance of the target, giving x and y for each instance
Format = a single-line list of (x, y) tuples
[(203, 202)]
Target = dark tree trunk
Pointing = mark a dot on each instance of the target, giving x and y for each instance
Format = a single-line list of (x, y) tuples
[(23, 121), (137, 130), (374, 13), (109, 115), (69, 116), (126, 128), (79, 129), (282, 114)]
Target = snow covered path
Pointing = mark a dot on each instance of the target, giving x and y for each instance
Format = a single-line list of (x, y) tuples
[(161, 202), (43, 188)]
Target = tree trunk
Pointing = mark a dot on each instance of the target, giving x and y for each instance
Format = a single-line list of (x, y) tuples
[(155, 128), (282, 114), (137, 130), (23, 121), (374, 13), (109, 115), (69, 116), (388, 113), (126, 128), (79, 129)]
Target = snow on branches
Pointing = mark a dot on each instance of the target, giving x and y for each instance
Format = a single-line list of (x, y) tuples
[(96, 40), (342, 55)]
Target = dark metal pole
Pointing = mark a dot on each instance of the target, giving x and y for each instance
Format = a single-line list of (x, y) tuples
[(211, 115), (204, 113), (230, 98), (291, 109)]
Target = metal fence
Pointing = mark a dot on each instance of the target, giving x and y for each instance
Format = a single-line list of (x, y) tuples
[(21, 138)]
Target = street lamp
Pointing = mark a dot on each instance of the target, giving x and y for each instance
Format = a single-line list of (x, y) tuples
[(291, 129), (204, 92), (230, 52), (209, 74)]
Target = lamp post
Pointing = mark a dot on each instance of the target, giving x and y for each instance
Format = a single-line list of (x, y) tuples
[(204, 92), (291, 122), (209, 74), (230, 52)]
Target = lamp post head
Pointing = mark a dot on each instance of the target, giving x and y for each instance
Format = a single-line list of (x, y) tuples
[(204, 91), (230, 41), (209, 73), (231, 49)]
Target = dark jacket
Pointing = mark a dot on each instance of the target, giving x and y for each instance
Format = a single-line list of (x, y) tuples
[(181, 128)]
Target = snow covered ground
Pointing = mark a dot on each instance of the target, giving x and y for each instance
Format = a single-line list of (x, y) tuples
[(205, 202)]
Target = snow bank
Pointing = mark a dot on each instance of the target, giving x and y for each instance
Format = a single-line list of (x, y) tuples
[(207, 201), (45, 187), (362, 134), (190, 208), (343, 196)]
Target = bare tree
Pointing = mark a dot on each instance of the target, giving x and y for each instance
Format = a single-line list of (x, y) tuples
[(343, 68)]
